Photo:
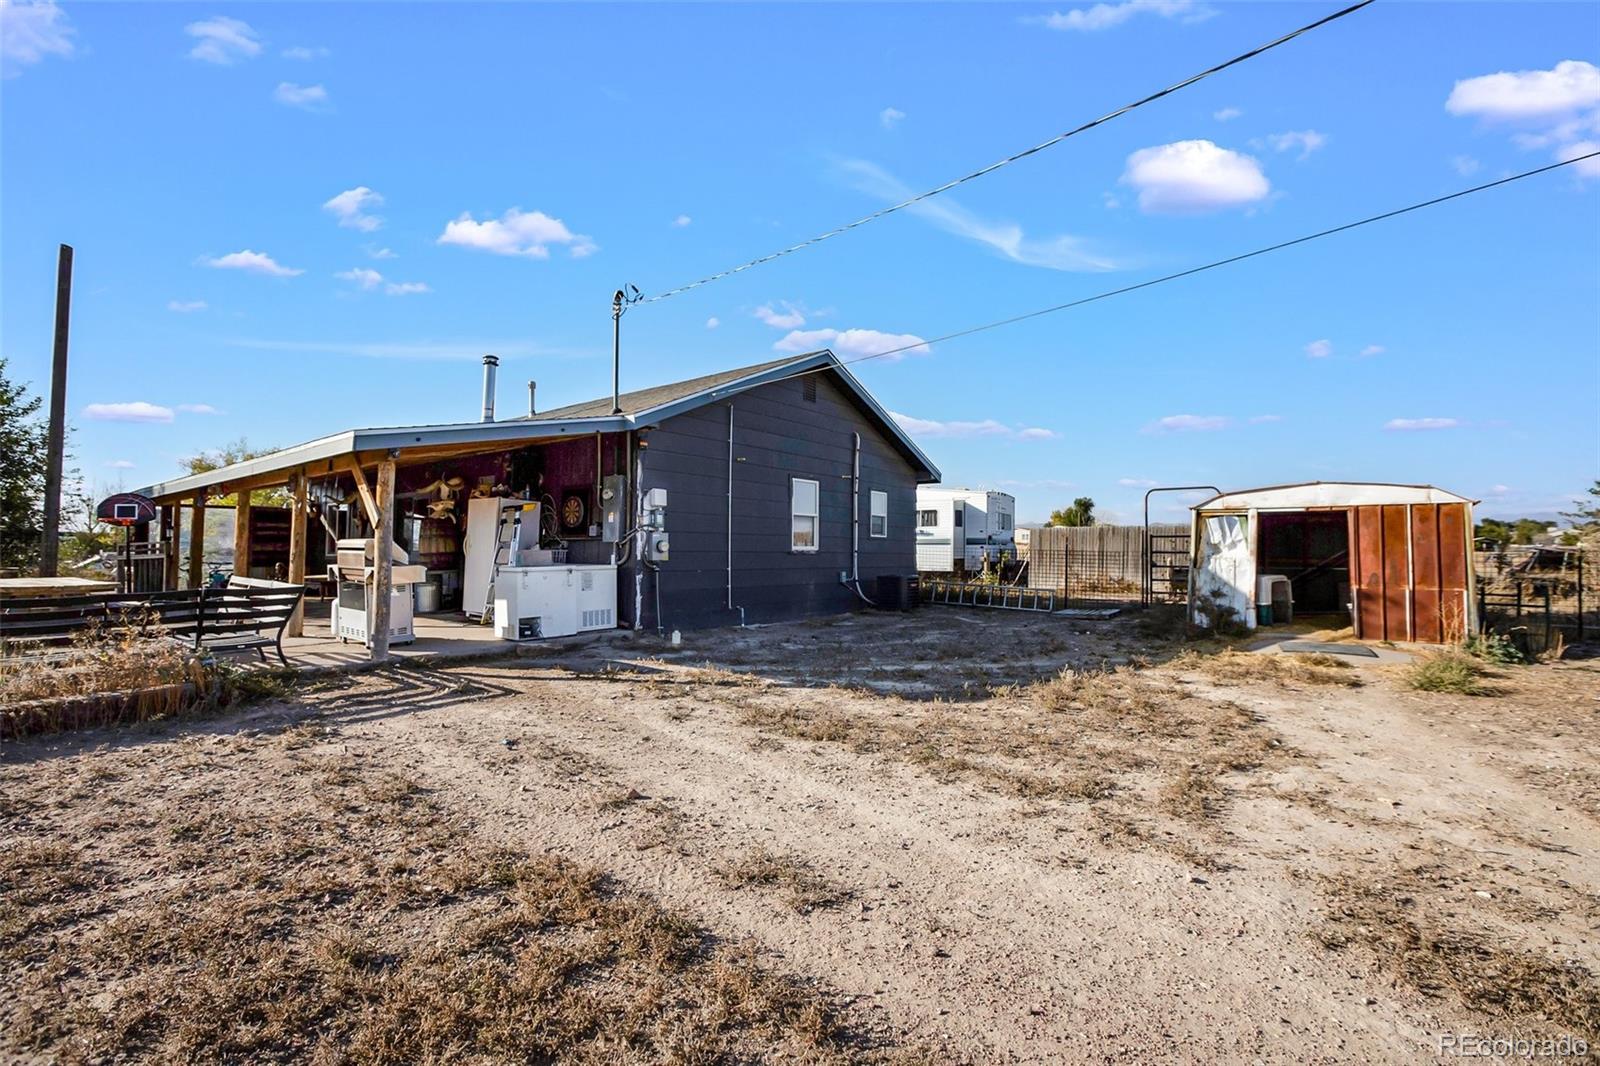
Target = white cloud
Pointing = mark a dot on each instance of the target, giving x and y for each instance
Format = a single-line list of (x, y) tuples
[(890, 117), (1188, 424), (1589, 168), (131, 411), (184, 307), (934, 430), (682, 221), (31, 31), (364, 277), (309, 97), (1371, 350), (1104, 16), (1063, 252), (380, 253), (1263, 420), (854, 343), (1465, 165), (198, 409), (713, 322), (223, 40), (120, 464), (253, 262), (1319, 349), (1557, 108), (353, 209), (1303, 141), (1500, 490), (1137, 482), (1110, 200), (792, 316), (1569, 87), (369, 280), (1188, 177), (304, 54), (1226, 114), (1408, 424), (516, 233)]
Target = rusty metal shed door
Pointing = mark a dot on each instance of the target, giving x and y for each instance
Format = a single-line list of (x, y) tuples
[(1408, 571)]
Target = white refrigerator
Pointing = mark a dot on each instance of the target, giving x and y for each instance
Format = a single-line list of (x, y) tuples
[(486, 539)]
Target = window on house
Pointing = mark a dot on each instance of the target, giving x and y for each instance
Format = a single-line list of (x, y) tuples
[(804, 496), (928, 518), (878, 524), (959, 511)]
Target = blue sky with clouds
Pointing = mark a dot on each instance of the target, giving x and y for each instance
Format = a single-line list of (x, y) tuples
[(297, 218)]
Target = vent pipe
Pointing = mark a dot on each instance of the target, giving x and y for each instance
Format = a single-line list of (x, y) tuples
[(489, 364), (532, 387)]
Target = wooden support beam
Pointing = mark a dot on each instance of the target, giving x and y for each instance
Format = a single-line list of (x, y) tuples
[(297, 552), (241, 535), (383, 562), (171, 515), (368, 504), (197, 541)]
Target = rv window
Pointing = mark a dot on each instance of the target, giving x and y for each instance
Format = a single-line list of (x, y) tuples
[(961, 509), (1005, 521), (803, 498), (928, 518), (879, 524)]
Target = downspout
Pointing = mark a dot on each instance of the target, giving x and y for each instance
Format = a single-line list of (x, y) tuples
[(638, 534), (855, 519), (731, 606)]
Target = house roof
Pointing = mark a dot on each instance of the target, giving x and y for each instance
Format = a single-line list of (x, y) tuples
[(639, 408), (1327, 494)]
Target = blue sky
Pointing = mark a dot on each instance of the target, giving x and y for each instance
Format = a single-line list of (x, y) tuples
[(297, 218)]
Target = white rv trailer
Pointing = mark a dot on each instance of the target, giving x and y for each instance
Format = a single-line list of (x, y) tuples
[(963, 527)]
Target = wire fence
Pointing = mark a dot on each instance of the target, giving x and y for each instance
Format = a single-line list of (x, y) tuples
[(1548, 590)]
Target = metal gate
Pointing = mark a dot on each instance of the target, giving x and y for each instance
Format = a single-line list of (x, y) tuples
[(1167, 554)]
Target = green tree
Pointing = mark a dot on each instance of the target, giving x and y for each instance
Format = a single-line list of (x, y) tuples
[(1494, 529), (1585, 514), (22, 467), (1081, 513), (1526, 530), (227, 455)]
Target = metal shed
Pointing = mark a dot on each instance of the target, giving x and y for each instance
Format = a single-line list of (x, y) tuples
[(1395, 559)]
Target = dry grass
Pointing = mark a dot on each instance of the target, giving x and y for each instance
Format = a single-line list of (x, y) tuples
[(347, 918), (1451, 671), (800, 887), (1233, 667), (1524, 989)]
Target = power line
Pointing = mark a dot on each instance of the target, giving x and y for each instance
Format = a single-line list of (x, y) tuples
[(1008, 160), (1208, 266)]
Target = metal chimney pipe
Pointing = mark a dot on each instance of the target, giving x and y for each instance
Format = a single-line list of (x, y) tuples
[(532, 386), (489, 363)]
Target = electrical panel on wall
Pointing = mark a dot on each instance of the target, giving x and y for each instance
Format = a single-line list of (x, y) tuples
[(613, 508)]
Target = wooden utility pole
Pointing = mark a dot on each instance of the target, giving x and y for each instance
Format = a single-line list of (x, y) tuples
[(297, 551), (383, 563), (55, 447), (197, 540)]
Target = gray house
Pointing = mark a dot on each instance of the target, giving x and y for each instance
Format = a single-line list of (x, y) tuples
[(787, 491), (787, 485)]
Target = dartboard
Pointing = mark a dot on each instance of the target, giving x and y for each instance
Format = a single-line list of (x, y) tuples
[(572, 512)]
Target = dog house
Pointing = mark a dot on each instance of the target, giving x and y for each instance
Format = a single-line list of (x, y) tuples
[(1395, 560)]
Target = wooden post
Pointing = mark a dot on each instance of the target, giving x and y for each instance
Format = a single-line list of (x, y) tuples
[(55, 440), (241, 535), (171, 517), (197, 540), (297, 551), (383, 563)]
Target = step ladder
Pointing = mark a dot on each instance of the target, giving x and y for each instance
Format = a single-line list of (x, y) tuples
[(511, 516)]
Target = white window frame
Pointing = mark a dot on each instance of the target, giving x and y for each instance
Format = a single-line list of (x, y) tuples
[(877, 507), (815, 514)]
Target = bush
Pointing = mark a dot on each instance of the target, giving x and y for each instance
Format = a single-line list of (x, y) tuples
[(1494, 648), (1447, 671)]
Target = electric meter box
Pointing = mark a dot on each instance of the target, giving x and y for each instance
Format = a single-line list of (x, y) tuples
[(613, 508)]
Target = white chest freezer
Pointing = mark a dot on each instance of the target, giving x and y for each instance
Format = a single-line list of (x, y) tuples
[(532, 602)]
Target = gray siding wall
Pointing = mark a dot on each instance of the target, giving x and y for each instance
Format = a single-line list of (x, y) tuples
[(778, 434)]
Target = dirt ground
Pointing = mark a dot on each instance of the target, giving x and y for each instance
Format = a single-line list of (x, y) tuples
[(949, 836)]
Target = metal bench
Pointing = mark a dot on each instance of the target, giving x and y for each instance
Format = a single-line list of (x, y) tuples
[(248, 615)]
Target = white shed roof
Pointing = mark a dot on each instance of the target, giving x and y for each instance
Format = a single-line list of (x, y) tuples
[(1327, 494)]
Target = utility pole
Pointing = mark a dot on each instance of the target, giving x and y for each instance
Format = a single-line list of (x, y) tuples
[(50, 549), (617, 303)]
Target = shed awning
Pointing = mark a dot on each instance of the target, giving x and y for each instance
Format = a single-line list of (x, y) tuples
[(1311, 494)]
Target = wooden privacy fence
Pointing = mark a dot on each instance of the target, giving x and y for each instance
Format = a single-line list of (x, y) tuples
[(1097, 563)]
